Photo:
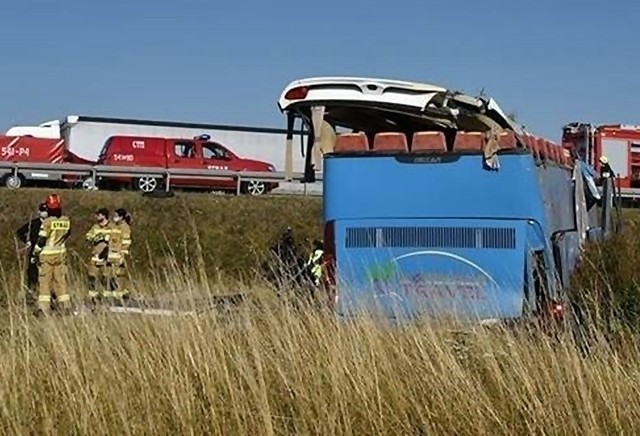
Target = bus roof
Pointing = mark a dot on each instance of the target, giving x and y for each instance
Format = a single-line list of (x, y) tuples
[(444, 106)]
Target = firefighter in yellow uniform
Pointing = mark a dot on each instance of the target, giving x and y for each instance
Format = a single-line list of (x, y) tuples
[(315, 262), (119, 243), (98, 236), (51, 254)]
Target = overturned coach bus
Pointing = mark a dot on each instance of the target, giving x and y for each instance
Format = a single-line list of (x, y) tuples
[(437, 203)]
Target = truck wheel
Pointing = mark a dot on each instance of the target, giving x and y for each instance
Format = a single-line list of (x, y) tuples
[(147, 184), (254, 187), (13, 182)]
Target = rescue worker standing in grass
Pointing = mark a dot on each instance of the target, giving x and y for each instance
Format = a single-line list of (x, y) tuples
[(98, 236), (119, 239), (28, 235), (51, 254), (315, 262)]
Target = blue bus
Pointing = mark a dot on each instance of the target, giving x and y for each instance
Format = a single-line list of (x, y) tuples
[(438, 204)]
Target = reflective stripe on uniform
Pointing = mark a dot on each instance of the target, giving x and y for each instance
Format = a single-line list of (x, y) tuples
[(44, 298), (64, 297), (109, 294), (52, 250), (93, 294)]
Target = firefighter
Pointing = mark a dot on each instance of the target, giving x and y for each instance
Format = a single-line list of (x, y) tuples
[(28, 235), (119, 239), (98, 237), (605, 169), (315, 262), (51, 255)]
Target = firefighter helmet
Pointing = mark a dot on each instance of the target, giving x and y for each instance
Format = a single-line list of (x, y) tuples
[(53, 202)]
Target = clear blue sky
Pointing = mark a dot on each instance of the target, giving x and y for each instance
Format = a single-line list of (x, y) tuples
[(227, 61)]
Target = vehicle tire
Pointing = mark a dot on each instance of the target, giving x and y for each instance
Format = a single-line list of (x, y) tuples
[(12, 181), (254, 188), (147, 184)]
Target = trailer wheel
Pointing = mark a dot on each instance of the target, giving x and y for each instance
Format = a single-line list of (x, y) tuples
[(12, 181), (254, 187), (147, 184)]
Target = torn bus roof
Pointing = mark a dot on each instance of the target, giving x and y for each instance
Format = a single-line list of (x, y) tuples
[(404, 102)]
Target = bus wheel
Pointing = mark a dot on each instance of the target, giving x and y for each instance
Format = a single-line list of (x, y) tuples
[(13, 181), (147, 184), (254, 187)]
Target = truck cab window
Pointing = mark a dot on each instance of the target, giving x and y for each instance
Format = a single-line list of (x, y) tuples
[(211, 150), (184, 149)]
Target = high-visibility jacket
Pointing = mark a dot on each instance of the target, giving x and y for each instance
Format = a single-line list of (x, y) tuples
[(52, 236), (315, 261), (98, 235), (119, 239)]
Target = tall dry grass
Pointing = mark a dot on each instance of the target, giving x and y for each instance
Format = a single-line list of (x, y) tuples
[(269, 369), (266, 368)]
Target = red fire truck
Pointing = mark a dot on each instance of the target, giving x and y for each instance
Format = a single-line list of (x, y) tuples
[(619, 143)]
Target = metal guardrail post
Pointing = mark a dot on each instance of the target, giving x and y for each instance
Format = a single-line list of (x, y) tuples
[(167, 182), (238, 185), (15, 171), (94, 178)]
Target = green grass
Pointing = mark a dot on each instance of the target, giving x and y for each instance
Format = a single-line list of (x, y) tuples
[(221, 235)]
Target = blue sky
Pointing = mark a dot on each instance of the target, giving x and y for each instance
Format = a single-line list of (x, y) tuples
[(221, 61)]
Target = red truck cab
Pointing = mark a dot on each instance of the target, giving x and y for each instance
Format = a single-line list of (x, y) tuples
[(191, 154)]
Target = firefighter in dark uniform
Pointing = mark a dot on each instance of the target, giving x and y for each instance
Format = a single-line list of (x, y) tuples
[(28, 235)]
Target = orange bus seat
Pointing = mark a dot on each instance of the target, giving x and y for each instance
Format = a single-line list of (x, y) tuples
[(468, 141), (507, 141), (429, 142), (351, 142), (390, 141)]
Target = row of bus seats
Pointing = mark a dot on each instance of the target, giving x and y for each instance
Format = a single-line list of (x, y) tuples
[(435, 142)]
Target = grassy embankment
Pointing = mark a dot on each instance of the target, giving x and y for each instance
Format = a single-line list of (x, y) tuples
[(276, 372), (208, 237)]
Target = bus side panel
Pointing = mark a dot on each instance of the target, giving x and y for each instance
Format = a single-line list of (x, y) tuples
[(468, 269)]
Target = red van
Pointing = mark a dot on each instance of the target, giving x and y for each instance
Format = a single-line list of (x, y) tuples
[(198, 153)]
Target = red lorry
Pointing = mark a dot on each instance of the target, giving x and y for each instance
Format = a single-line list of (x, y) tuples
[(175, 153)]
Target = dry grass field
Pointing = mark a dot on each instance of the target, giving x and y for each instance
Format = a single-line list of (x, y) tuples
[(268, 369)]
